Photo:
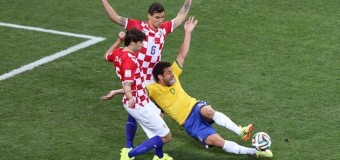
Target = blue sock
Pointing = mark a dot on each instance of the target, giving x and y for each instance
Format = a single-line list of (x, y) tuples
[(154, 142), (159, 152), (131, 129)]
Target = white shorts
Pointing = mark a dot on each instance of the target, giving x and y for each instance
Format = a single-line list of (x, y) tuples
[(149, 118)]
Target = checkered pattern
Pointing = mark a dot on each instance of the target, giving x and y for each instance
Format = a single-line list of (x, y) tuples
[(128, 69), (150, 54)]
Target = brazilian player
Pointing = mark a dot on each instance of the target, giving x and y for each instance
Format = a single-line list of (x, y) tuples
[(195, 116)]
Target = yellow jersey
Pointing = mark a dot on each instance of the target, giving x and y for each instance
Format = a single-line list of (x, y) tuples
[(173, 100)]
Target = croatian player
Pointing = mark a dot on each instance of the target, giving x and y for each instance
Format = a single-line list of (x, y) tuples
[(135, 99), (156, 31)]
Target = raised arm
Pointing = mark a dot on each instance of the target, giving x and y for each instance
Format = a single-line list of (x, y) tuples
[(182, 14), (119, 40), (189, 26), (113, 14)]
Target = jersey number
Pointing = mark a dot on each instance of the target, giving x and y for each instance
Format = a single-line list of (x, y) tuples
[(153, 50)]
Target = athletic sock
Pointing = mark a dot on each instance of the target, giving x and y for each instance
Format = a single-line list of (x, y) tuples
[(232, 147), (159, 152), (222, 120), (147, 145), (131, 129)]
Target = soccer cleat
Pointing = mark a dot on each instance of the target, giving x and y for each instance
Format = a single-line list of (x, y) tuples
[(124, 154), (266, 153), (246, 131), (165, 157)]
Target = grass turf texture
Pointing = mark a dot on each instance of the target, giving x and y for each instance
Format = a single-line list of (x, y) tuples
[(275, 64)]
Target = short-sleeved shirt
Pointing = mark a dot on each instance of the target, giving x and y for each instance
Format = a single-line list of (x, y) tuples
[(173, 100), (150, 54), (181, 107), (128, 70)]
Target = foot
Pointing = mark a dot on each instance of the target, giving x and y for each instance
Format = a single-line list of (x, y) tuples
[(266, 153), (246, 131), (165, 157), (124, 154)]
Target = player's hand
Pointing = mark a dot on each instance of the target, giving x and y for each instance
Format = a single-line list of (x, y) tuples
[(131, 101), (190, 25), (121, 35), (110, 95)]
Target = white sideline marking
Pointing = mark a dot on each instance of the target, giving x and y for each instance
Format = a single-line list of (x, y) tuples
[(91, 41)]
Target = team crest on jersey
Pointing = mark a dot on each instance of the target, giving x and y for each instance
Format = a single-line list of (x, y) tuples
[(172, 91), (128, 73)]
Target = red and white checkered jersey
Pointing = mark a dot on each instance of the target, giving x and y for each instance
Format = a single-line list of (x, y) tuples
[(128, 69), (150, 54)]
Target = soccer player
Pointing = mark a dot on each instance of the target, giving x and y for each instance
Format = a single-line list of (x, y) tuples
[(135, 99), (195, 116), (156, 31)]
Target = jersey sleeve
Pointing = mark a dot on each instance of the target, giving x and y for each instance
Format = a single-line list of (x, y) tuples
[(133, 23), (110, 56), (176, 69), (128, 68), (168, 26)]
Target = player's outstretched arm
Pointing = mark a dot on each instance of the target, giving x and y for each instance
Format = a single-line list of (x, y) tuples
[(182, 14), (189, 26), (113, 14), (120, 40), (111, 94)]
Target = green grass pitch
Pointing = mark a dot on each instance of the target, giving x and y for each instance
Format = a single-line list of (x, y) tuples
[(272, 63)]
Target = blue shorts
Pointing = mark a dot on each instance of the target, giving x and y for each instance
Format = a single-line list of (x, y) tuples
[(196, 126)]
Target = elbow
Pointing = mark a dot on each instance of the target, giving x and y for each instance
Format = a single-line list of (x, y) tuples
[(105, 58), (114, 18)]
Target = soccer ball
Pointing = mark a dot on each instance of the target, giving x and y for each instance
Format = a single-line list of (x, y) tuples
[(261, 141)]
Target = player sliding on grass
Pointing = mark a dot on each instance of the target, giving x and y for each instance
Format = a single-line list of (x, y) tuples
[(195, 116)]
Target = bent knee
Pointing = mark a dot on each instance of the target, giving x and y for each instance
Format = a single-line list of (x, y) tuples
[(167, 138), (207, 112), (215, 140)]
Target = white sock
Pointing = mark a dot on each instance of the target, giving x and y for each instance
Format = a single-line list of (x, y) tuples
[(232, 147), (222, 120)]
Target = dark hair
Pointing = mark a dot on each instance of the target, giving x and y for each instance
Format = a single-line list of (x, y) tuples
[(159, 69), (133, 35), (155, 8)]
